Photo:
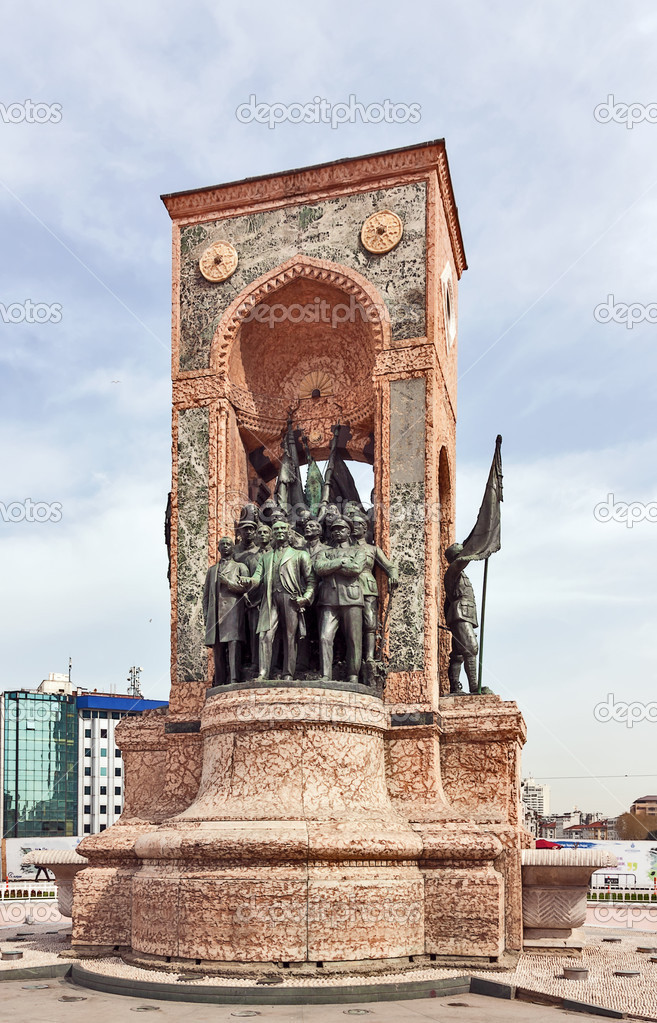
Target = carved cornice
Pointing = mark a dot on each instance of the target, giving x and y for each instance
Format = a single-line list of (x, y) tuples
[(356, 174)]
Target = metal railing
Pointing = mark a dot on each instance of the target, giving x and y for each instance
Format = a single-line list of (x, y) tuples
[(28, 890), (610, 893)]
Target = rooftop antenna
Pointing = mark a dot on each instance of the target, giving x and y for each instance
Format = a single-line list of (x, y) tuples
[(70, 667), (134, 687)]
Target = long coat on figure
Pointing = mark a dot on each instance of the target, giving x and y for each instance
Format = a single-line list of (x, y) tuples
[(223, 608), (292, 569)]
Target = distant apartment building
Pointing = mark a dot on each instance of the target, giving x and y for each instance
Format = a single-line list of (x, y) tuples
[(646, 804), (60, 768), (595, 831), (535, 796), (577, 825), (530, 820)]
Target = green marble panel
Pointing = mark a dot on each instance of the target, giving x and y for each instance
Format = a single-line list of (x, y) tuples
[(407, 514), (193, 507)]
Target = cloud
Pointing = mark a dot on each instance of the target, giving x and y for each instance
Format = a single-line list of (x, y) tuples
[(557, 212)]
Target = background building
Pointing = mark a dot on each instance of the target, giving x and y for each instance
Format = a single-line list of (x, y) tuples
[(100, 775), (535, 796), (646, 804), (577, 825), (60, 769), (39, 736)]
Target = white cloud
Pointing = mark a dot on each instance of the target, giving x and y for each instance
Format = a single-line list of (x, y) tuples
[(554, 217)]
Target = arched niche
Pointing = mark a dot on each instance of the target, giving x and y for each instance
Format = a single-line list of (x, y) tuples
[(302, 338)]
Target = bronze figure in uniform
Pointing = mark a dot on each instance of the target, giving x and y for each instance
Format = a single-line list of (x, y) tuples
[(248, 553), (223, 609), (288, 585), (263, 537), (340, 599), (461, 618), (375, 556)]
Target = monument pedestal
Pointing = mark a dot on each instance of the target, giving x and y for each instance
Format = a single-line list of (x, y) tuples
[(293, 849)]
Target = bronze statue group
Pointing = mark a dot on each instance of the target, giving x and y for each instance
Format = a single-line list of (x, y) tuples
[(296, 592), (280, 595)]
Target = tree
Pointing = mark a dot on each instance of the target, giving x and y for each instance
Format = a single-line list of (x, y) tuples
[(637, 827)]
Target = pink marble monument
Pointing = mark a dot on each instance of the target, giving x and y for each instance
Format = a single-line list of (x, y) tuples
[(314, 822)]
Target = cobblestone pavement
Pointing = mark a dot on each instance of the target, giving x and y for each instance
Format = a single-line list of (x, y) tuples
[(42, 944), (25, 1003)]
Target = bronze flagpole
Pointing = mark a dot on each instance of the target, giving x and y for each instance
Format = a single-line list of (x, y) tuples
[(483, 617)]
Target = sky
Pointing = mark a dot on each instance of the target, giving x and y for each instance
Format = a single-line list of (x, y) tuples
[(549, 112)]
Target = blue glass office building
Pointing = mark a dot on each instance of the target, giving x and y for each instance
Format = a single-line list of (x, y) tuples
[(40, 784)]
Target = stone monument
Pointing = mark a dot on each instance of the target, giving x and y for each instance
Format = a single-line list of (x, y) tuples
[(314, 816)]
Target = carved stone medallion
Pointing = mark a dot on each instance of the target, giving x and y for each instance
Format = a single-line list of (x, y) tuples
[(218, 262), (381, 232)]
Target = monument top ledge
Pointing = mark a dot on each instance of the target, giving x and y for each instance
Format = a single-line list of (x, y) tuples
[(336, 177)]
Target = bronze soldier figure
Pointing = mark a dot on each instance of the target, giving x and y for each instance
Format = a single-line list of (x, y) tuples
[(263, 537), (248, 553), (312, 532), (375, 556), (223, 609), (461, 618), (340, 599), (288, 582)]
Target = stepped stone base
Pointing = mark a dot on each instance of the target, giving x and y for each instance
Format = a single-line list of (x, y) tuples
[(291, 848)]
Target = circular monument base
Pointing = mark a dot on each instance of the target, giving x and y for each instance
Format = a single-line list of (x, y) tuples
[(292, 850), (359, 987)]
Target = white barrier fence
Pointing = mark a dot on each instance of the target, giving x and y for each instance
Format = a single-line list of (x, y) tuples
[(28, 902), (611, 893)]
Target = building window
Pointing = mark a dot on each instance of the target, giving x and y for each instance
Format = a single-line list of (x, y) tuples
[(87, 790), (103, 790), (117, 753), (87, 751), (86, 714), (87, 772), (115, 715), (87, 829), (117, 772), (117, 810), (103, 751), (87, 808), (103, 772), (117, 790), (87, 733), (103, 827), (103, 808), (103, 733)]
